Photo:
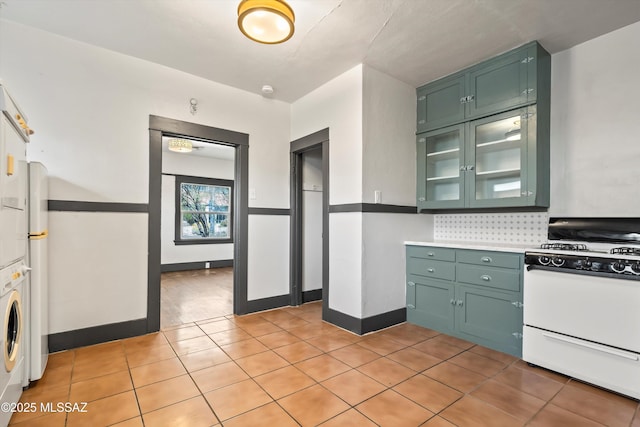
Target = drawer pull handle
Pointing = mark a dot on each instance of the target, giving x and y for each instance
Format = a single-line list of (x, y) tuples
[(430, 254), (486, 259), (611, 351), (430, 270), (411, 283), (411, 306), (486, 278)]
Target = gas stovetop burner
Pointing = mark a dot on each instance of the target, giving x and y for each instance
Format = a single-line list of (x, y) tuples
[(626, 251), (565, 246)]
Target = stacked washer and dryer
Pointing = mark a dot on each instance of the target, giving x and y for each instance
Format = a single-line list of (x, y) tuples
[(23, 292)]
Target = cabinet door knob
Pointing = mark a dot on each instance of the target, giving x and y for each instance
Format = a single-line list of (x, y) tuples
[(452, 301), (430, 270), (430, 254), (411, 284), (463, 168), (411, 306), (460, 303), (422, 98), (470, 167), (486, 277), (421, 122), (421, 199), (486, 259)]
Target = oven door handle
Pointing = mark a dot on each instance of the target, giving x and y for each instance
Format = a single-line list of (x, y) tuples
[(619, 353)]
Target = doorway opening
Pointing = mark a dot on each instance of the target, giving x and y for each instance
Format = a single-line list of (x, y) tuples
[(196, 231), (189, 226), (310, 220)]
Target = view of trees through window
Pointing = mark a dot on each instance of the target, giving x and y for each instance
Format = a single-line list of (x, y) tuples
[(205, 211)]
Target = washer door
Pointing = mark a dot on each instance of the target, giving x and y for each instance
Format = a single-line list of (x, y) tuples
[(12, 330)]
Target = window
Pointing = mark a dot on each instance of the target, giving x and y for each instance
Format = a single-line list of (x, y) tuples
[(203, 210)]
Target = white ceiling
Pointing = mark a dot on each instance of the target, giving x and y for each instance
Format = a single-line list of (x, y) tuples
[(416, 41)]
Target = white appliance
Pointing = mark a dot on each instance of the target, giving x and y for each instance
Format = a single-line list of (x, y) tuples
[(581, 315), (14, 133), (37, 259), (12, 342)]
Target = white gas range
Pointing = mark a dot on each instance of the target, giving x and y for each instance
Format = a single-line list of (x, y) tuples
[(582, 302)]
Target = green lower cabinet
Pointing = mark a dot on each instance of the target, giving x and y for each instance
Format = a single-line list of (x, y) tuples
[(429, 303), (490, 318), (477, 296)]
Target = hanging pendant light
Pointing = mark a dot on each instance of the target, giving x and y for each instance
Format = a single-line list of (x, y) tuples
[(180, 145), (266, 21)]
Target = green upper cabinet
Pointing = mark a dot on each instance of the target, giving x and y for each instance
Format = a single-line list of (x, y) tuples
[(502, 83), (483, 134), (496, 161), (439, 104), (441, 156)]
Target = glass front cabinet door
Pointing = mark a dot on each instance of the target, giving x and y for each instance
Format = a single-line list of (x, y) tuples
[(441, 160), (487, 163), (500, 163)]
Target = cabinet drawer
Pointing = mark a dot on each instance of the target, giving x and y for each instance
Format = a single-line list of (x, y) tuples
[(492, 259), (429, 268), (428, 252), (498, 278)]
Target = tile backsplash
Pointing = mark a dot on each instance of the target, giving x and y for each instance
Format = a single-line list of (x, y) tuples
[(522, 228)]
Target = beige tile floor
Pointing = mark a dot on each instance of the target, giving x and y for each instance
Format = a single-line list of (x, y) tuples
[(286, 367), (189, 296)]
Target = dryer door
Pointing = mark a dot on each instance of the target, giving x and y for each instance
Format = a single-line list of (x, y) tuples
[(12, 331)]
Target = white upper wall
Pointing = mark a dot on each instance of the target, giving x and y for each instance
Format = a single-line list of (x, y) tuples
[(90, 110), (389, 142), (194, 165), (338, 106), (595, 123)]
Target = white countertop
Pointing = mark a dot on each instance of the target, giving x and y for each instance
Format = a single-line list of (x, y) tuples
[(483, 246)]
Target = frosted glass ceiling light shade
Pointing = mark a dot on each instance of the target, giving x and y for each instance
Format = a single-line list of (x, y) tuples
[(266, 21), (180, 145)]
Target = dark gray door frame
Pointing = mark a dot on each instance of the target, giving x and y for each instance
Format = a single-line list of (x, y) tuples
[(313, 141), (159, 126)]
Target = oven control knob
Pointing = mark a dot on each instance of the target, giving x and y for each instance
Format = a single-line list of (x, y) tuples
[(586, 264), (557, 261), (636, 268), (544, 260), (618, 266)]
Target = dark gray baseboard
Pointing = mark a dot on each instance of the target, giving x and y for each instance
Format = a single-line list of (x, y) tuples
[(268, 303), (269, 211), (79, 206), (200, 265), (372, 208), (96, 334), (368, 324), (313, 295)]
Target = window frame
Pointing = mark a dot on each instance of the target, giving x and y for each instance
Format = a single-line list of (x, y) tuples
[(184, 179)]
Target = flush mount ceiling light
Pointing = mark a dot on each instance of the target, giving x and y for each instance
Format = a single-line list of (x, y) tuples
[(180, 145), (266, 21)]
